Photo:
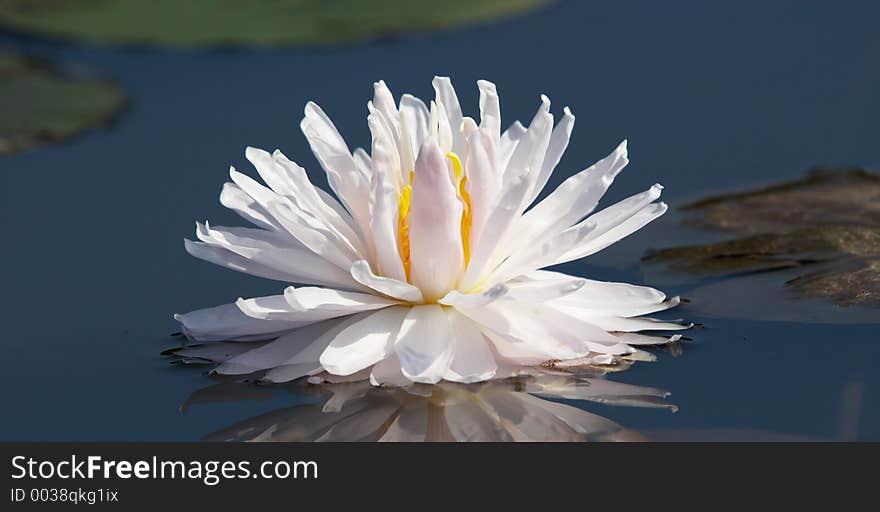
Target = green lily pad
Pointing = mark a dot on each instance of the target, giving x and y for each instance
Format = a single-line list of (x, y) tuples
[(40, 105), (818, 237), (187, 23)]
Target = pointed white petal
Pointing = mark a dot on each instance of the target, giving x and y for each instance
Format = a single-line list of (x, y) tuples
[(384, 224), (230, 260), (318, 202), (307, 299), (483, 181), (424, 344), (237, 200), (445, 96), (227, 322), (509, 140), (473, 360), (277, 352), (631, 338), (436, 252), (490, 110), (387, 373), (414, 121), (345, 178), (360, 271), (548, 330), (385, 158), (571, 201), (484, 256), (528, 157), (365, 343), (544, 290), (270, 249), (558, 144), (594, 244)]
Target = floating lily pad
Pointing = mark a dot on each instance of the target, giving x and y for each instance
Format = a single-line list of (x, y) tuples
[(40, 105), (825, 197), (818, 237), (245, 23)]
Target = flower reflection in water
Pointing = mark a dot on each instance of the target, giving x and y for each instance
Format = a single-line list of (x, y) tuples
[(517, 409)]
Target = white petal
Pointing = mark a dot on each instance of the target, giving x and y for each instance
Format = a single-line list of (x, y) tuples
[(571, 201), (436, 253), (509, 140), (516, 352), (483, 182), (445, 95), (308, 299), (224, 258), (424, 345), (387, 373), (302, 225), (549, 331), (269, 249), (490, 110), (237, 200), (414, 122), (594, 244), (484, 257), (540, 291), (383, 100), (439, 128), (364, 343), (317, 201), (474, 300), (384, 225), (616, 299), (473, 360), (360, 271), (631, 338), (542, 253), (216, 352), (277, 352), (385, 158), (227, 322), (622, 324), (345, 178), (528, 157), (558, 144), (289, 372)]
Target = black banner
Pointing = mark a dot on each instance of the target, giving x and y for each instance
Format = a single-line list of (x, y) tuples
[(125, 475)]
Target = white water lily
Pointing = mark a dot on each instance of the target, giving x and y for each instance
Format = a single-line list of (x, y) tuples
[(426, 265)]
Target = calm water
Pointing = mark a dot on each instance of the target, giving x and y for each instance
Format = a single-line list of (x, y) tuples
[(710, 99)]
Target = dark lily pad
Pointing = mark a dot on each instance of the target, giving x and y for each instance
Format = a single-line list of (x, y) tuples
[(244, 23), (825, 197), (818, 237), (41, 105)]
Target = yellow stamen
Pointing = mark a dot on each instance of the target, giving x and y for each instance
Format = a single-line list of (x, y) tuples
[(466, 217), (403, 202)]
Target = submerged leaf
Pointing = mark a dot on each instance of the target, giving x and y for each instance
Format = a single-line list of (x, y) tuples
[(41, 105), (237, 22)]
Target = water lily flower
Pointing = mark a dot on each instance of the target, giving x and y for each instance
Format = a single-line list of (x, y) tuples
[(426, 262)]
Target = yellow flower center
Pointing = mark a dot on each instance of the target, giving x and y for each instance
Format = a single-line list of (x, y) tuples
[(461, 188), (404, 198), (403, 201)]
